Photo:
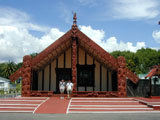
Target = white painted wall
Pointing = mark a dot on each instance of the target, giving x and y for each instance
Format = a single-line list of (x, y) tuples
[(4, 84)]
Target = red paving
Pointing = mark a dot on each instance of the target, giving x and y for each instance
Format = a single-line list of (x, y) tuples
[(54, 105)]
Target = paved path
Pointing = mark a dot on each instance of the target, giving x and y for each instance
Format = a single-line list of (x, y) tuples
[(54, 105)]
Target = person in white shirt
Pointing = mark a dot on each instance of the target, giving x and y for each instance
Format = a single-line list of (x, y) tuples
[(62, 88), (69, 86)]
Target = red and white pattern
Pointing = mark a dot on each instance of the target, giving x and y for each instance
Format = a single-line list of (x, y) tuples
[(107, 105), (21, 104)]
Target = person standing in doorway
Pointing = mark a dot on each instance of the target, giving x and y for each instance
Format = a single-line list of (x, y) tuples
[(69, 86), (62, 88)]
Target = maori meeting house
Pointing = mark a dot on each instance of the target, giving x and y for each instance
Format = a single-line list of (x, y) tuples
[(75, 57)]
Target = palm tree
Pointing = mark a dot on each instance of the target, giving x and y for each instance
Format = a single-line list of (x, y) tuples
[(8, 69)]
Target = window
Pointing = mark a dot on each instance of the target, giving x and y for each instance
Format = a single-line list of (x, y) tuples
[(1, 84), (85, 75)]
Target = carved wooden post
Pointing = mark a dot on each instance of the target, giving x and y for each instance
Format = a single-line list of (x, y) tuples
[(26, 76), (74, 53), (74, 63), (121, 77)]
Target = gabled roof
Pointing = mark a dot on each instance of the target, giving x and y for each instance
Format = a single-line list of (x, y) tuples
[(64, 42), (53, 51), (97, 52)]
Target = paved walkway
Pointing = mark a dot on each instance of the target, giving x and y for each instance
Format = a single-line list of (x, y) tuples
[(54, 105)]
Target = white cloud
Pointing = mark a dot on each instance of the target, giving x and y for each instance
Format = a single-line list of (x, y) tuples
[(156, 36), (50, 37), (111, 44), (15, 38), (135, 9), (96, 35), (16, 42), (19, 19)]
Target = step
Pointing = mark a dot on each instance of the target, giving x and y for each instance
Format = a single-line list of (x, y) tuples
[(108, 106), (16, 111), (113, 111), (105, 103), (24, 100), (156, 107), (31, 98), (20, 102), (102, 101), (101, 98), (15, 107)]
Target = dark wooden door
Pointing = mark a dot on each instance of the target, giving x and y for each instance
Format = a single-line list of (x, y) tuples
[(85, 76)]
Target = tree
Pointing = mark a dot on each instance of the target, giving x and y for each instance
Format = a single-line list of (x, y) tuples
[(147, 58), (141, 61), (33, 55), (7, 69), (19, 65)]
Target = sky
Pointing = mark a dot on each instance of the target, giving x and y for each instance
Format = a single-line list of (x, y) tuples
[(29, 26)]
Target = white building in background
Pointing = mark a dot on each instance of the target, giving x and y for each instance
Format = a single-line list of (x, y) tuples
[(5, 84)]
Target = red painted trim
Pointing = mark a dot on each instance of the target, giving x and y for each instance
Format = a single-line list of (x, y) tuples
[(155, 97)]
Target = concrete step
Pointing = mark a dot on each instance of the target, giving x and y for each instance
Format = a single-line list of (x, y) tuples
[(102, 105), (110, 109), (105, 103), (20, 105), (108, 106), (114, 111)]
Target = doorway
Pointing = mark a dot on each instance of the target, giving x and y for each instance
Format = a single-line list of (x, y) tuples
[(62, 73)]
